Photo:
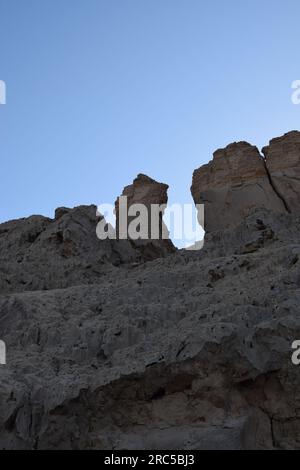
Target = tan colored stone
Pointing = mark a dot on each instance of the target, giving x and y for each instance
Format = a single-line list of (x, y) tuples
[(283, 163), (232, 185)]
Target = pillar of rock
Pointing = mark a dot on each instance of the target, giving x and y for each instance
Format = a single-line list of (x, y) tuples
[(283, 164)]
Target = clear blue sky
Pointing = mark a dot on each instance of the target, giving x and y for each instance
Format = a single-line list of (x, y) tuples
[(100, 90)]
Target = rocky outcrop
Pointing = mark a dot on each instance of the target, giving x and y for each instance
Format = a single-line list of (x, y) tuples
[(239, 181), (189, 351), (283, 164), (192, 351), (40, 253), (148, 192), (234, 184)]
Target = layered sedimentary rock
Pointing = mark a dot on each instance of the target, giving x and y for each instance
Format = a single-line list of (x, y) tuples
[(190, 351), (232, 185), (40, 253), (283, 163)]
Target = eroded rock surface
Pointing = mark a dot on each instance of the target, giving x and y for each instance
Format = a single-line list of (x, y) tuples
[(191, 351), (39, 253), (232, 185), (147, 192), (283, 163)]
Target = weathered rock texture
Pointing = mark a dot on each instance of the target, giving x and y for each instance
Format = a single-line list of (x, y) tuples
[(283, 163), (39, 253), (191, 351), (233, 184), (148, 192)]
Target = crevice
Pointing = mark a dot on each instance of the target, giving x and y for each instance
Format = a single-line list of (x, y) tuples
[(272, 432), (286, 206)]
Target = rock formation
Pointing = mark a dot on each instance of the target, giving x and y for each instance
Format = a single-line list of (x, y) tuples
[(283, 163), (232, 185), (148, 192), (39, 253), (109, 350)]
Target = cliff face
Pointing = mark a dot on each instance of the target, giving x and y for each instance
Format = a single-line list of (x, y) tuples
[(147, 191), (40, 253), (239, 180), (111, 348)]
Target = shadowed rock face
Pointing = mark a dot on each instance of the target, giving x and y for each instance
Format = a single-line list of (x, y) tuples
[(283, 163), (145, 190), (239, 180), (189, 351)]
